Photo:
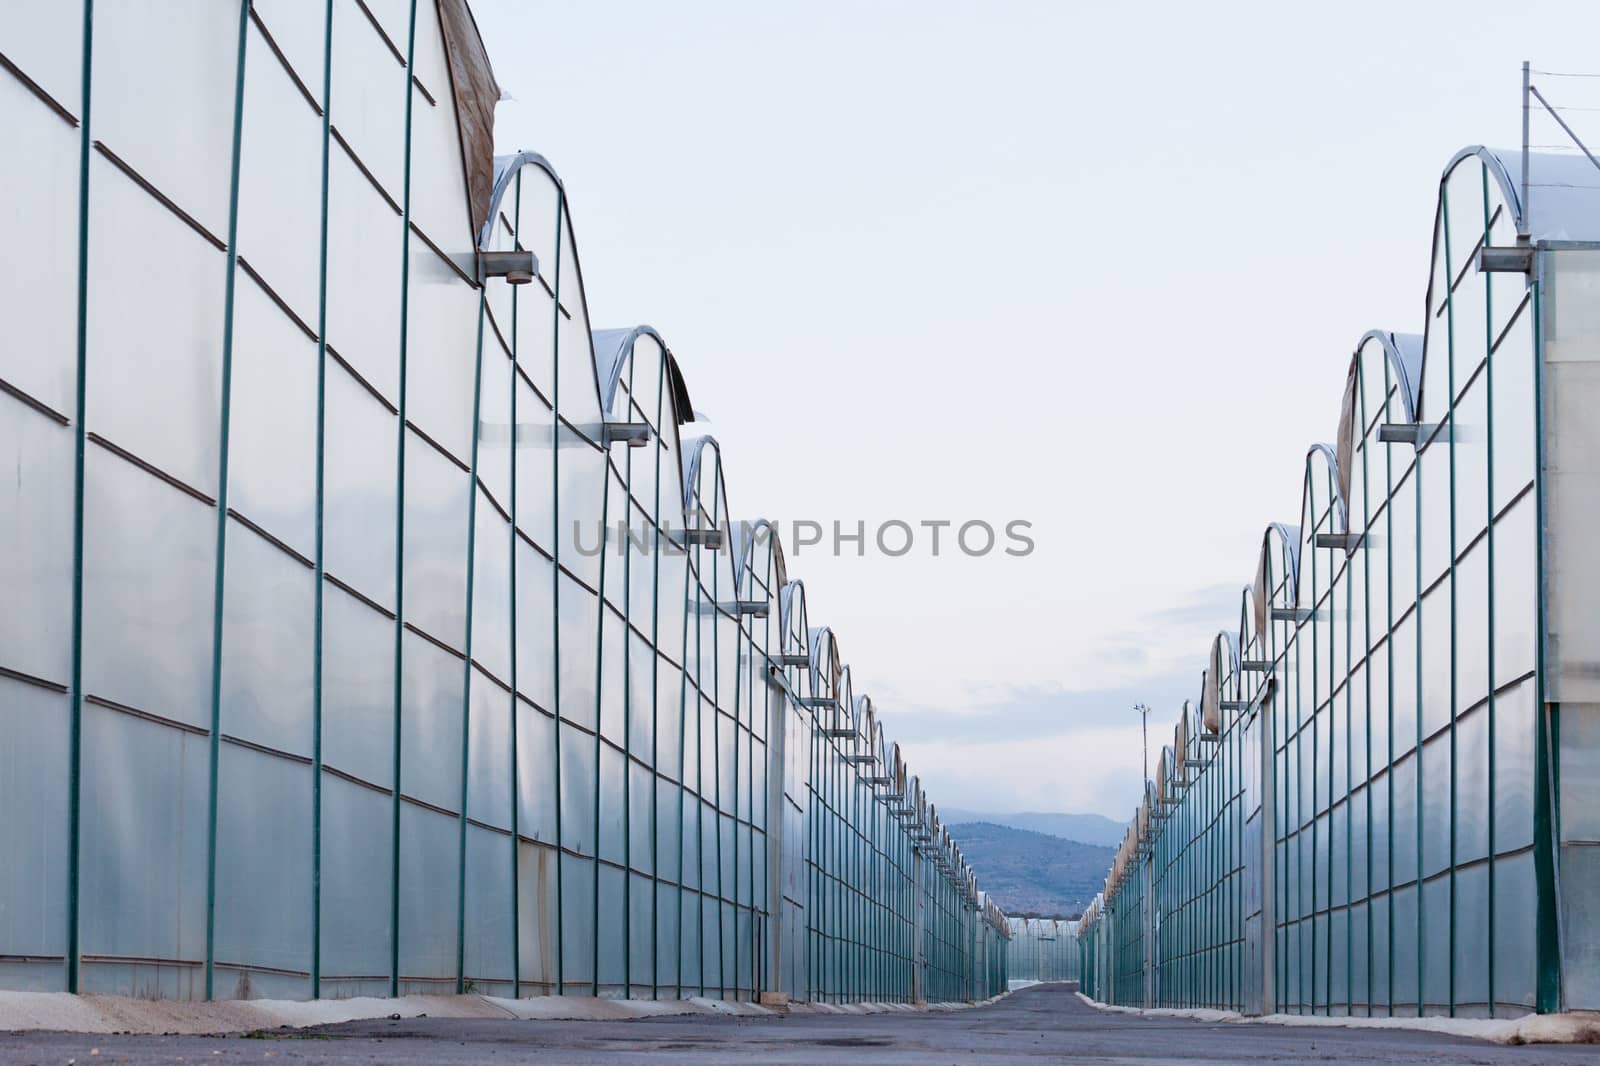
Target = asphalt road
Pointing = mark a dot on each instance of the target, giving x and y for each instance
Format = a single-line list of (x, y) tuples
[(1044, 1024)]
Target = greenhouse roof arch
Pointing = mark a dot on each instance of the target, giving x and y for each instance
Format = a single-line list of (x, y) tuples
[(747, 539), (612, 349), (793, 617), (1561, 202), (507, 169), (1219, 680), (694, 450), (1322, 510), (1289, 545)]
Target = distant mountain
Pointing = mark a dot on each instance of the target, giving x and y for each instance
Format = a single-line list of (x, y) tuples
[(1033, 873), (1085, 828)]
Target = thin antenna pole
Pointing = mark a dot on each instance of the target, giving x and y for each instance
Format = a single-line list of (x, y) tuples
[(1144, 732), (1522, 226)]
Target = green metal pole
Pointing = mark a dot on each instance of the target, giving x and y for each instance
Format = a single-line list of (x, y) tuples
[(319, 573), (213, 739), (80, 442), (400, 522)]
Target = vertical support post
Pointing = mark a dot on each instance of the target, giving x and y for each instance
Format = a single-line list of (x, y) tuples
[(511, 547), (319, 562), (226, 401), (80, 410), (555, 576), (1522, 221), (400, 520)]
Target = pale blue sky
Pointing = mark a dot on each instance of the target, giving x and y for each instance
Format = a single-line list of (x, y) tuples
[(1097, 266)]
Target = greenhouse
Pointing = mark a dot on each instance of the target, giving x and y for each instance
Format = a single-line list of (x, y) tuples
[(1043, 949), (376, 625), (1381, 801)]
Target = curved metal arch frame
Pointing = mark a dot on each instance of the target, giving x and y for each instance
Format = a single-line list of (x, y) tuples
[(609, 376), (506, 168)]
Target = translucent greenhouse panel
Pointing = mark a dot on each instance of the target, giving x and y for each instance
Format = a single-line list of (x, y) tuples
[(492, 591), (438, 179), (272, 454), (535, 648), (148, 581), (359, 489), (280, 171), (487, 945), (299, 32), (612, 945), (489, 755), (578, 929), (430, 723), (370, 84), (47, 46), (267, 608), (1572, 462), (357, 688), (613, 662), (143, 885), (1514, 409), (1572, 583), (641, 814), (641, 933), (36, 543), (365, 242), (263, 876), (495, 432), (578, 635), (171, 121), (441, 317), (429, 881), (538, 923), (1515, 970), (40, 311), (536, 785), (435, 550), (153, 348), (33, 835), (357, 852), (612, 806)]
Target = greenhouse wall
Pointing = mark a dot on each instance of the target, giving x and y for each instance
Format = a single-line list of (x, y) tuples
[(1382, 801), (1043, 949), (375, 625)]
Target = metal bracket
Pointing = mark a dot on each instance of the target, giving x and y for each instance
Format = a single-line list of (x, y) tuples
[(1412, 433), (1259, 666), (1234, 705), (517, 267), (1291, 614), (839, 734), (856, 758), (817, 703), (703, 538), (1513, 260), (754, 608), (633, 434), (790, 659), (1341, 541)]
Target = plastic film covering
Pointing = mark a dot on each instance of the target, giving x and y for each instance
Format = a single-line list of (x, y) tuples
[(1043, 949), (1387, 819), (351, 650)]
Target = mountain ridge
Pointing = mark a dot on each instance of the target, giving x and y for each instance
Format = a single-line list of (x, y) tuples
[(1083, 828), (1032, 873)]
